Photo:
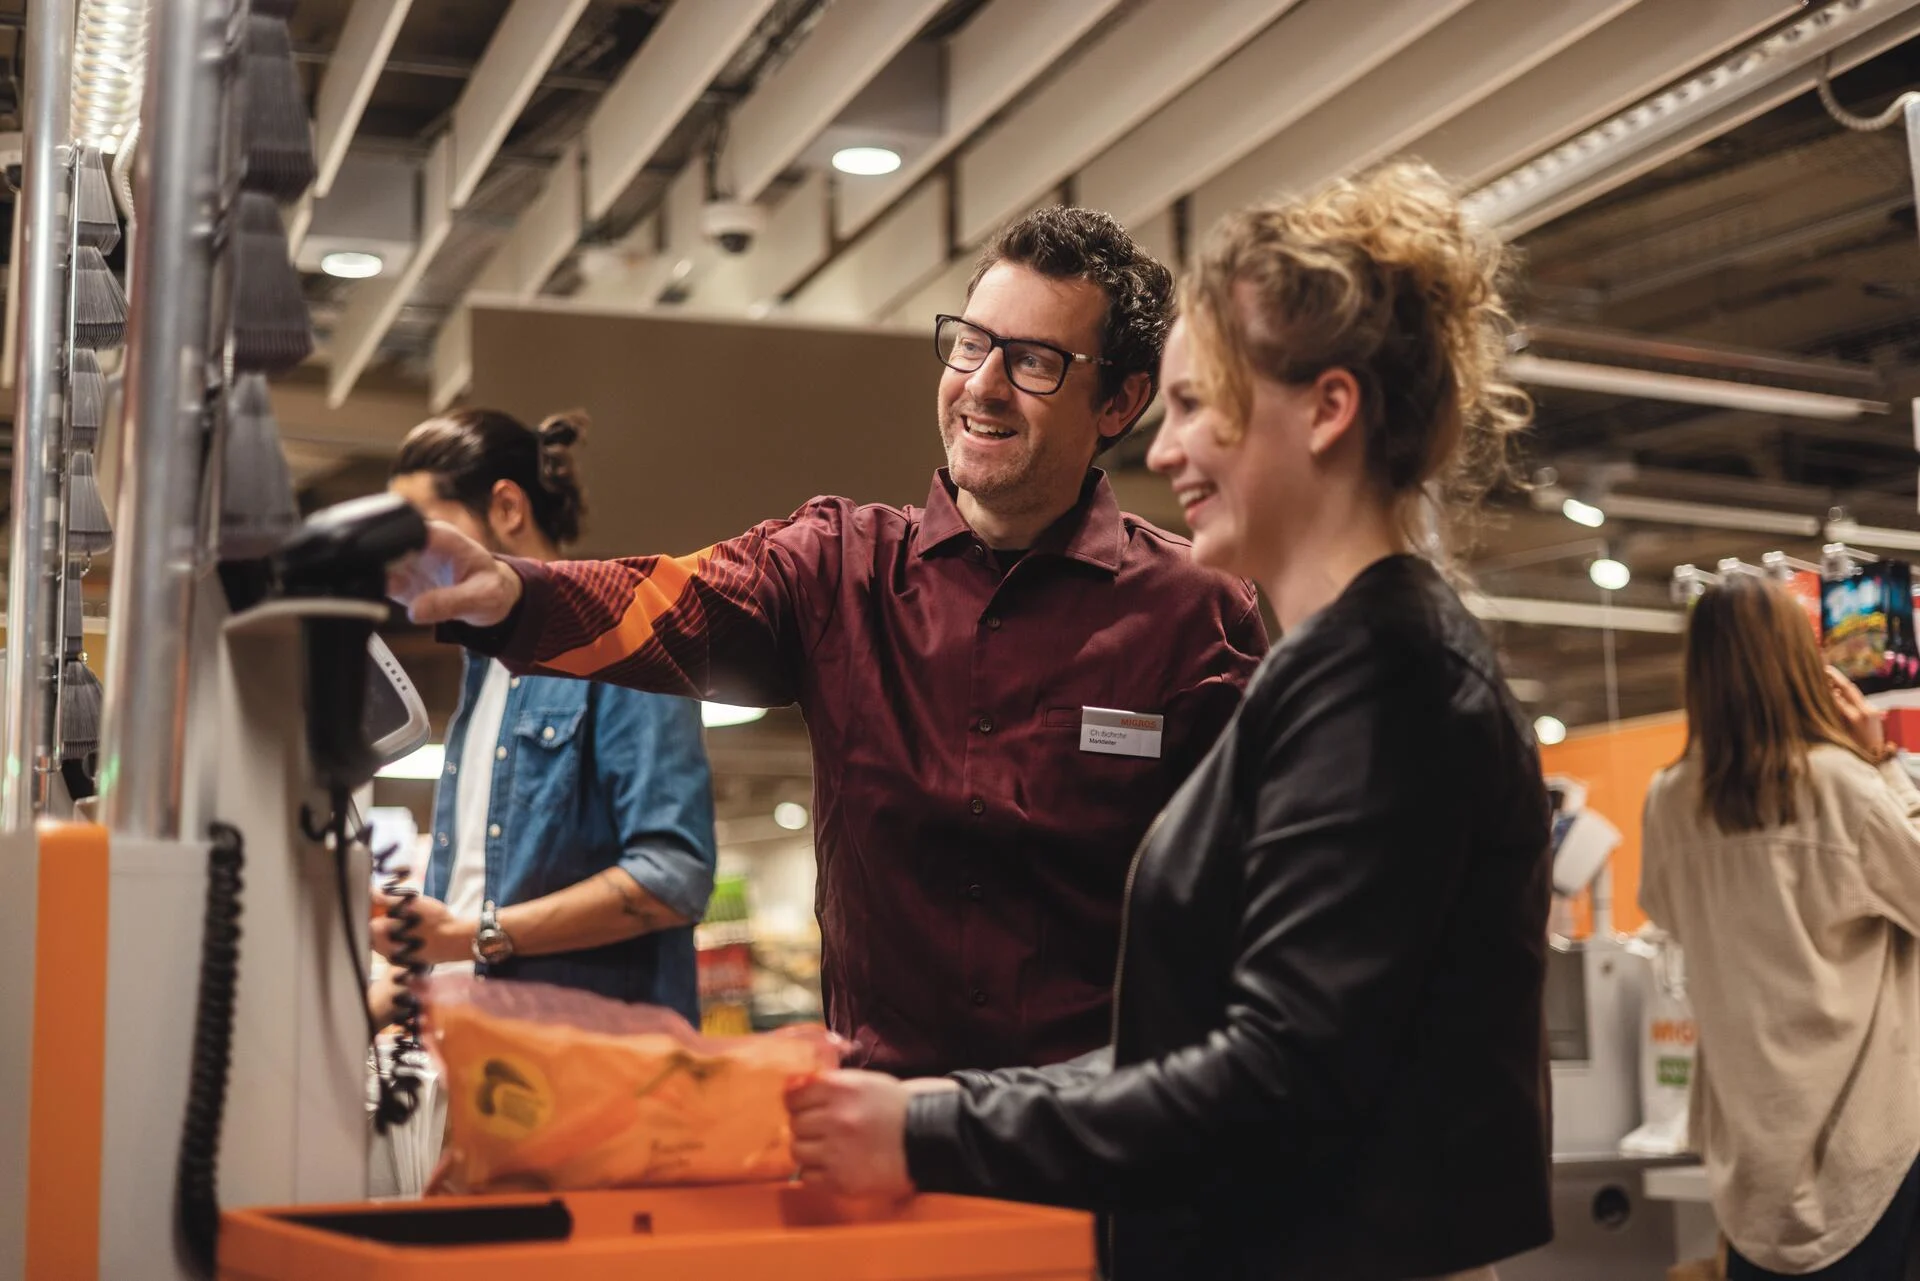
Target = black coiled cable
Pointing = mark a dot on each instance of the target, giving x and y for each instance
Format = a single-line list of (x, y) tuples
[(197, 1196), (397, 1084)]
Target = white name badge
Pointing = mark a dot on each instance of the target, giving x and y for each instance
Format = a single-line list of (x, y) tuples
[(1116, 733)]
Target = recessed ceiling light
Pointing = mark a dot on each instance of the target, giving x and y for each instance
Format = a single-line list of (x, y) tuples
[(351, 264), (1609, 575), (1583, 513), (867, 162), (791, 815), (716, 715), (1549, 730)]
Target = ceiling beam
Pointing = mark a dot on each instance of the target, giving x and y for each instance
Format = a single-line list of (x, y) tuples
[(373, 304), (990, 61), (677, 63), (945, 292), (1477, 52), (547, 231), (848, 46), (1617, 380), (452, 371), (1615, 67), (1242, 103), (366, 39), (1564, 613), (683, 53), (1747, 83), (1133, 70), (523, 47), (905, 246)]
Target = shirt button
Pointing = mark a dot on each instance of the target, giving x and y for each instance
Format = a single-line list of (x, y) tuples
[(499, 753), (493, 829), (514, 683), (979, 997), (443, 840), (976, 893), (452, 768), (547, 733), (986, 724), (977, 552), (993, 622), (979, 806)]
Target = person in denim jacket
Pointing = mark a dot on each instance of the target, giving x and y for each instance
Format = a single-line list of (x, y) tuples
[(573, 825)]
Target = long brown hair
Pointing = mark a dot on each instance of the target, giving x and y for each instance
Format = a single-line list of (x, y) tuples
[(1757, 698)]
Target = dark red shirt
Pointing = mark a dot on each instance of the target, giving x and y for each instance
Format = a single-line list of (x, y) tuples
[(972, 858)]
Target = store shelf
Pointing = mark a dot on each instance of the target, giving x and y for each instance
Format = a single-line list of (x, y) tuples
[(1676, 1183)]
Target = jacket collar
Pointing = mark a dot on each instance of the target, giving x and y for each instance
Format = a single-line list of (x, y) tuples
[(1089, 533)]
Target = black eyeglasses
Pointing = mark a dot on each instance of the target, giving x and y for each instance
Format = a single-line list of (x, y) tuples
[(1035, 367)]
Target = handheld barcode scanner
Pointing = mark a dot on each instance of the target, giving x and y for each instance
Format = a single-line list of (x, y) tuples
[(355, 704)]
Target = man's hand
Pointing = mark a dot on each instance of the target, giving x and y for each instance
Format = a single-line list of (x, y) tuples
[(850, 1133), (453, 580), (446, 936), (383, 998)]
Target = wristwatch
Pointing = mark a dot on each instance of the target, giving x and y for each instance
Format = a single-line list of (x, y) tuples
[(491, 944)]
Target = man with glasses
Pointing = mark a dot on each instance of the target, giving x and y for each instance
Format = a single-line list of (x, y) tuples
[(1002, 688)]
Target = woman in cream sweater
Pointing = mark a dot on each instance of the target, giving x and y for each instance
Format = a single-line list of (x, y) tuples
[(1783, 852)]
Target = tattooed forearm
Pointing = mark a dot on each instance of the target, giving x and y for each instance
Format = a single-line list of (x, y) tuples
[(639, 906)]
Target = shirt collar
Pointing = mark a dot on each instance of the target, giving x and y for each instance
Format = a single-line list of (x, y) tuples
[(1090, 533)]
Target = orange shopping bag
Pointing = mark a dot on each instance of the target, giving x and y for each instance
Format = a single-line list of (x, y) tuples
[(549, 1088)]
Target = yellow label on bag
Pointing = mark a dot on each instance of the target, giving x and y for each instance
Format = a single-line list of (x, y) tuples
[(509, 1096)]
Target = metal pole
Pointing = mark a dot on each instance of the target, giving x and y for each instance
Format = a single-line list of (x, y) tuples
[(33, 622), (163, 419)]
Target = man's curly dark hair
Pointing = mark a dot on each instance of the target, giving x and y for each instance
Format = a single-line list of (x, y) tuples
[(1065, 243)]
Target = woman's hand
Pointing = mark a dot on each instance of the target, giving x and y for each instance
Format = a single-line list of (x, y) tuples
[(850, 1133), (453, 580), (1865, 724)]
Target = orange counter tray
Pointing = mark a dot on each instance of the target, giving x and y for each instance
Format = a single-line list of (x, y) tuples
[(746, 1232)]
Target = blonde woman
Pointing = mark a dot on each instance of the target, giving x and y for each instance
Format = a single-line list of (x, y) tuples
[(1783, 851), (1327, 1060)]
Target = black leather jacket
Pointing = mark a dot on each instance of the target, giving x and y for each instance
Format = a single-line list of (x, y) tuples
[(1329, 1058)]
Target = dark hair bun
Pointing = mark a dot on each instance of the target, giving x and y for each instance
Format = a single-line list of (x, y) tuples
[(562, 430), (558, 435)]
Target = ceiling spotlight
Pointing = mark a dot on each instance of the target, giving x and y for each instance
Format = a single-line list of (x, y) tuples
[(1583, 513), (425, 762), (718, 715), (790, 815), (351, 264), (1549, 730), (1609, 575), (866, 162)]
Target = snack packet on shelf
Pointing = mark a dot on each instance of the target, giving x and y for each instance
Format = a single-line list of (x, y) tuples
[(1869, 626), (550, 1088)]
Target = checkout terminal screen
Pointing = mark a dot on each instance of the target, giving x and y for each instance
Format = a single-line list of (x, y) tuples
[(386, 712)]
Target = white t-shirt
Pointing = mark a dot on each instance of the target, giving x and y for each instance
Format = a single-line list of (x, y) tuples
[(473, 797)]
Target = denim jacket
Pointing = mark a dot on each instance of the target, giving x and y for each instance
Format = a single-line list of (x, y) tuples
[(589, 777)]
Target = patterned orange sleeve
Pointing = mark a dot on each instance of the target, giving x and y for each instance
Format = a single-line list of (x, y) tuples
[(729, 623)]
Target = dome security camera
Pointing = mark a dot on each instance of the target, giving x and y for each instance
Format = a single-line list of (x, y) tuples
[(732, 224)]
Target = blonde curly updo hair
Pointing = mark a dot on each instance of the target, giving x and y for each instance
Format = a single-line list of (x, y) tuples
[(1383, 275)]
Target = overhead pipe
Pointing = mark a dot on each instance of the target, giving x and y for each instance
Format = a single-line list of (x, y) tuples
[(164, 415), (33, 569)]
